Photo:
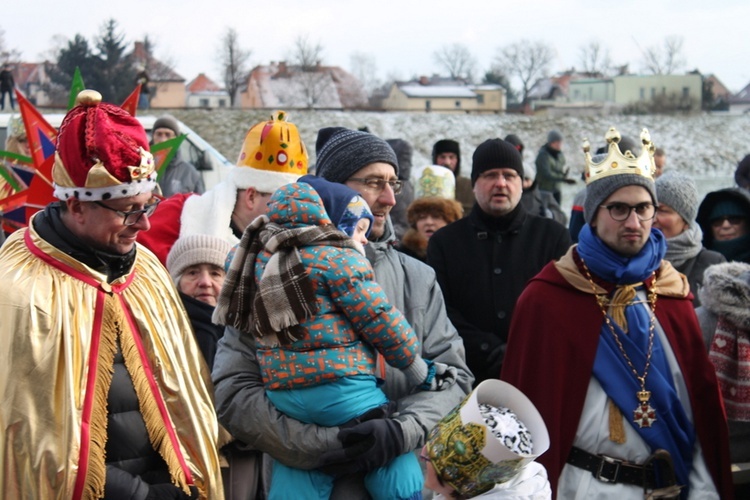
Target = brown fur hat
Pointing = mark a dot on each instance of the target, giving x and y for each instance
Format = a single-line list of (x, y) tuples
[(448, 210)]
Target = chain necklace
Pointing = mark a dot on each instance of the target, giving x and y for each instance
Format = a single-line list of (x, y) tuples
[(644, 414)]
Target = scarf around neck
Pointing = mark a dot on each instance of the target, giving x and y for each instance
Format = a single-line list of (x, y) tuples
[(631, 322), (284, 296), (685, 246)]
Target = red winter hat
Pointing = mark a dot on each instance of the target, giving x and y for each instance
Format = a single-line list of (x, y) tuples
[(102, 153)]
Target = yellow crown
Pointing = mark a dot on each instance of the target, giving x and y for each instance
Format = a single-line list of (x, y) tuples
[(618, 162)]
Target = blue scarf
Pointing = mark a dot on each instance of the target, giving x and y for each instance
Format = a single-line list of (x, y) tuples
[(672, 430)]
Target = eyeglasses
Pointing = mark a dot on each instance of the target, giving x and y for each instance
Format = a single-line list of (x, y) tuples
[(734, 220), (621, 211), (133, 216), (378, 185), (495, 176)]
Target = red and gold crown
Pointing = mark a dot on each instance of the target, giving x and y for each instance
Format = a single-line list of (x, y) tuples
[(102, 153), (618, 162), (272, 155)]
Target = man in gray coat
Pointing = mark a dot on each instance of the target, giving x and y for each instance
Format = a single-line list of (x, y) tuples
[(368, 165)]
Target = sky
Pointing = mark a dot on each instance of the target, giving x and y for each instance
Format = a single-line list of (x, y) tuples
[(400, 36)]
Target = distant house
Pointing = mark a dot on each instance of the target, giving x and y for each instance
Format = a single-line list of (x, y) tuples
[(32, 79), (279, 85), (202, 92), (166, 87), (444, 96), (740, 102)]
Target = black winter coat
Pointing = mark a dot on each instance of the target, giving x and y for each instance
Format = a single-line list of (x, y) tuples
[(206, 333), (482, 265)]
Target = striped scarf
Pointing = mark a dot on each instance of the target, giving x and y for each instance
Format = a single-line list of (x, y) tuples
[(284, 296)]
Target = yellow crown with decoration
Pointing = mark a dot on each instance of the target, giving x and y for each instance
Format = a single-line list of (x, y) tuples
[(617, 162)]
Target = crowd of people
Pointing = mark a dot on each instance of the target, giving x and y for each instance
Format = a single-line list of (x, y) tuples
[(312, 329)]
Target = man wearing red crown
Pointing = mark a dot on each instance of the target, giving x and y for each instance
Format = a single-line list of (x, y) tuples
[(102, 394), (607, 346)]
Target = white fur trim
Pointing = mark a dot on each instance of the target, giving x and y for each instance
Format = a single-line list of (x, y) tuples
[(123, 190), (210, 213), (265, 181)]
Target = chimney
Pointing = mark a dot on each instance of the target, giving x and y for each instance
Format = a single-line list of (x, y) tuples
[(423, 80)]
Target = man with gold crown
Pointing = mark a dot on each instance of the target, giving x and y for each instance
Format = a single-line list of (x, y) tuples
[(607, 346), (103, 394)]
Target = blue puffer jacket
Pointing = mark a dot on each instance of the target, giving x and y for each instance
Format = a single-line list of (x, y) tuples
[(354, 316)]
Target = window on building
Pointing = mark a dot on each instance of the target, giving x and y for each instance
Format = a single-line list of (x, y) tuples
[(203, 103), (685, 91), (480, 98), (427, 105), (643, 93), (653, 92), (458, 104), (222, 103)]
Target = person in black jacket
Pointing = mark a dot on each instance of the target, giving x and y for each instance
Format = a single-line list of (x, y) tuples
[(483, 261), (196, 264)]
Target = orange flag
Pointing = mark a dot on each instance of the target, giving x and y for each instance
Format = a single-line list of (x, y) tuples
[(131, 103)]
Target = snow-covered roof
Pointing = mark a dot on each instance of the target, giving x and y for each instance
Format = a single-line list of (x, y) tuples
[(437, 91)]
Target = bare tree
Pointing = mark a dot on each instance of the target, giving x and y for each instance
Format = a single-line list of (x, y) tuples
[(365, 69), (664, 59), (7, 55), (233, 63), (525, 60), (313, 80), (457, 61), (595, 58)]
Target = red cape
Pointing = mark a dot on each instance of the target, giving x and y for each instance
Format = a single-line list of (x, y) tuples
[(550, 356)]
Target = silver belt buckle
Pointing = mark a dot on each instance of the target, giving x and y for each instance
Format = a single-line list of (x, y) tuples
[(610, 460)]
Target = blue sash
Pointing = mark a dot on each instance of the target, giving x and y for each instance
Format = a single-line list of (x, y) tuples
[(672, 430)]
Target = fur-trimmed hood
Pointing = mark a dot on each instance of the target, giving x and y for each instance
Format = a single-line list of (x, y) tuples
[(726, 292)]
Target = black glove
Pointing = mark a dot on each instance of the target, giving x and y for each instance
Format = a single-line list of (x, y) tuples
[(568, 180), (168, 491), (367, 446), (382, 411)]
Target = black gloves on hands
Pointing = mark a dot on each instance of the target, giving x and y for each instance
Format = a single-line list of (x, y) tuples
[(367, 446), (168, 491)]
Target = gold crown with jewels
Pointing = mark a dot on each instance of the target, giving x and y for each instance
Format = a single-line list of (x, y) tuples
[(618, 162)]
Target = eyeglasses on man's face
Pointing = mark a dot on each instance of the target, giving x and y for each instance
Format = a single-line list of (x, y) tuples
[(133, 216), (377, 185), (621, 211)]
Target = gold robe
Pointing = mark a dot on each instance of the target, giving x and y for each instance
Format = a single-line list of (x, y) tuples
[(59, 324)]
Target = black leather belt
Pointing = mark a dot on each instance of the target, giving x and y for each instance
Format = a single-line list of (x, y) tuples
[(613, 470)]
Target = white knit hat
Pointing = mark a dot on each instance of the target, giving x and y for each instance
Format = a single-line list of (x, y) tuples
[(196, 249)]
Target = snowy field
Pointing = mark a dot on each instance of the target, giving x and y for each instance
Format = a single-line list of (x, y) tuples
[(708, 147)]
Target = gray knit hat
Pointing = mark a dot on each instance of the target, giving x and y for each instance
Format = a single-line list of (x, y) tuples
[(346, 151), (196, 249), (679, 192), (167, 121), (554, 136)]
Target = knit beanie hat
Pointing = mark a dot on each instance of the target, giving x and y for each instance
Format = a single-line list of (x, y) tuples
[(345, 207), (554, 136), (404, 153), (495, 153), (728, 207), (742, 173), (516, 141), (447, 146), (102, 153), (196, 249), (344, 152), (167, 121), (679, 192)]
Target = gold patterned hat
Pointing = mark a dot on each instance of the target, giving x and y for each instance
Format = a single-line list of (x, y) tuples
[(272, 155), (466, 452), (433, 180), (102, 153)]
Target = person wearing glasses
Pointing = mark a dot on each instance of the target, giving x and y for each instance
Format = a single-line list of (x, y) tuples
[(104, 394), (724, 216), (606, 344), (368, 165), (483, 261)]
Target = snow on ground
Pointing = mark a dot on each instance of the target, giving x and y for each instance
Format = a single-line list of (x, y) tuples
[(708, 147)]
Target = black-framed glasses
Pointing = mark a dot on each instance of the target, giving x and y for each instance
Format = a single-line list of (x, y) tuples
[(133, 216), (621, 211), (378, 185)]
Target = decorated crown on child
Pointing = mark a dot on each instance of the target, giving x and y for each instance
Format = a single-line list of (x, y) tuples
[(618, 162)]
